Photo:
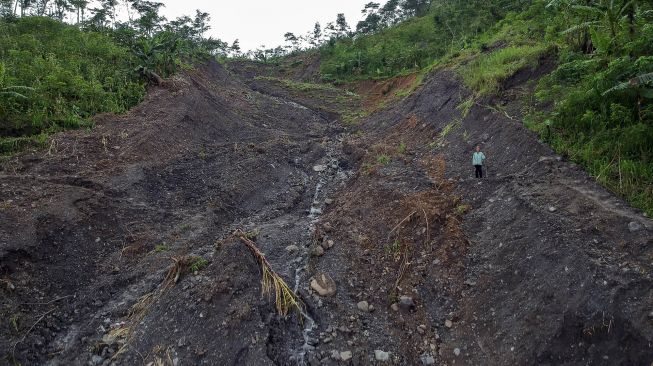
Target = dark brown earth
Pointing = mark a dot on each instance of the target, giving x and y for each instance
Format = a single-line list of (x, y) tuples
[(535, 265)]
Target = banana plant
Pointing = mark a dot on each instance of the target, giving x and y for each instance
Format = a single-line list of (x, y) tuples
[(157, 56), (601, 15), (642, 85), (15, 91)]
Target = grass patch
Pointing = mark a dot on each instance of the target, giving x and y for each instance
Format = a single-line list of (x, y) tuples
[(486, 73), (161, 248), (302, 86), (383, 159), (402, 148), (197, 264)]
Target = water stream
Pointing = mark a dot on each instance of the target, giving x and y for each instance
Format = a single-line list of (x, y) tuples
[(331, 172)]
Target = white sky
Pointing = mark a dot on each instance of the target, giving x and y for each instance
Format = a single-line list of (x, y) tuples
[(264, 22)]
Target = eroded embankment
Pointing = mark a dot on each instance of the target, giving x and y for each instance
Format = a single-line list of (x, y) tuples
[(113, 250), (108, 238)]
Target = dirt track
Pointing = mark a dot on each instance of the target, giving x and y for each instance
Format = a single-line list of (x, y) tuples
[(535, 265)]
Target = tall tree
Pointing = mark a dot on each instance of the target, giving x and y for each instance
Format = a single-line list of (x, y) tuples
[(149, 20), (342, 28), (109, 7), (415, 7), (316, 36), (234, 49), (372, 19), (201, 23), (291, 40), (79, 6)]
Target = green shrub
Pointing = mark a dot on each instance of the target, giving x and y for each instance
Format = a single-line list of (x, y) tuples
[(72, 75)]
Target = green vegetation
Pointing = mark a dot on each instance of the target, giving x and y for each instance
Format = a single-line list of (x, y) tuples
[(56, 76), (599, 96), (64, 77), (402, 148), (383, 159), (161, 248), (301, 86), (486, 72), (415, 42), (196, 264)]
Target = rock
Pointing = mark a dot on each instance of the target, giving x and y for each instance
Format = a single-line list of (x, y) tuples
[(363, 306), (319, 168), (323, 284), (327, 227), (634, 226), (335, 355), (448, 323), (328, 201), (394, 307), (421, 329), (427, 360), (552, 209), (381, 355), (96, 360), (292, 248), (456, 351), (328, 244), (406, 303), (317, 251), (650, 315), (345, 355)]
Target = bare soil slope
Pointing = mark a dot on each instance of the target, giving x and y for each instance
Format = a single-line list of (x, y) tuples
[(113, 250)]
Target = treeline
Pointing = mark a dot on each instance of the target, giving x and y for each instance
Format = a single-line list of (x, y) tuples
[(61, 62), (429, 29), (375, 18)]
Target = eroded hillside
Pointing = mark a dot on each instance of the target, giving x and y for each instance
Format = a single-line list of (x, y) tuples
[(115, 243)]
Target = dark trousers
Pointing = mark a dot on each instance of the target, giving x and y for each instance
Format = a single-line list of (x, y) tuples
[(479, 171)]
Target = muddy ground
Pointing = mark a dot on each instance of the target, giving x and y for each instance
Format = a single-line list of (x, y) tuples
[(115, 250)]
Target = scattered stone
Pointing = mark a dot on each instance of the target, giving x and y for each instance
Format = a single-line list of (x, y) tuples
[(394, 307), (427, 360), (319, 168), (456, 351), (96, 360), (345, 355), (552, 209), (381, 355), (327, 244), (292, 248), (448, 323), (323, 284), (650, 315), (470, 283), (406, 303), (335, 355), (317, 251), (328, 201), (363, 306), (634, 226), (421, 329), (327, 227)]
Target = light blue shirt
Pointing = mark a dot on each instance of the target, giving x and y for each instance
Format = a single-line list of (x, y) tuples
[(478, 158)]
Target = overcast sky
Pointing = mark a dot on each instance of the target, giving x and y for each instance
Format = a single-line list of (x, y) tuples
[(264, 22)]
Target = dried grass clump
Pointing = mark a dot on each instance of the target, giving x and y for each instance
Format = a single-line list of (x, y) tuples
[(285, 298)]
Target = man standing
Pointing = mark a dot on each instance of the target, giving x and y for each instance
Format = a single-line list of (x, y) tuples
[(477, 161)]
